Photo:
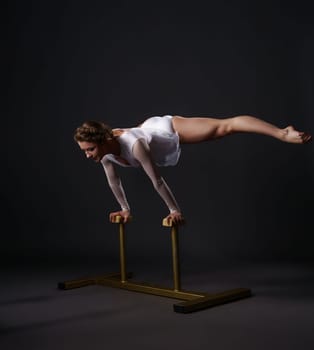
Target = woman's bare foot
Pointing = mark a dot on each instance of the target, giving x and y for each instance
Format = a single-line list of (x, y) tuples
[(293, 136)]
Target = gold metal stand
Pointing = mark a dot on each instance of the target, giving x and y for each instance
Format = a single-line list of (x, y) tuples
[(192, 301)]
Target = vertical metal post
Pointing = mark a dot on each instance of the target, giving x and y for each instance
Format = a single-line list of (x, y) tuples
[(122, 252), (175, 258)]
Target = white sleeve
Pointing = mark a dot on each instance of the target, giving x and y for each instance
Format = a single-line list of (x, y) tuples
[(115, 184), (142, 154)]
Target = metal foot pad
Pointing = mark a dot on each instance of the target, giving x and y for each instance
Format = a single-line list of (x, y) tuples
[(78, 283), (211, 300)]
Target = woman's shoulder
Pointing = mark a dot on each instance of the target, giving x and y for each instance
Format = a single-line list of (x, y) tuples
[(119, 131), (130, 134)]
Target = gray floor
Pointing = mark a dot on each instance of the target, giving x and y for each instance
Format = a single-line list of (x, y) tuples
[(34, 314)]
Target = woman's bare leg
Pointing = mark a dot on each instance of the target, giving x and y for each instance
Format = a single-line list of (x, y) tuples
[(195, 129)]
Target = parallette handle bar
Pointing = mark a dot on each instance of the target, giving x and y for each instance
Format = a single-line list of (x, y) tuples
[(175, 253), (119, 220)]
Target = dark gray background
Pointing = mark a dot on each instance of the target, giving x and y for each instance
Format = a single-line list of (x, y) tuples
[(245, 198), (248, 199)]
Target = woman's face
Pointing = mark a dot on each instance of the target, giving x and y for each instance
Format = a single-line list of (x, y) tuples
[(93, 150)]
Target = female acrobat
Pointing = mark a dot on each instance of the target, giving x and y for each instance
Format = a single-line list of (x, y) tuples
[(156, 142)]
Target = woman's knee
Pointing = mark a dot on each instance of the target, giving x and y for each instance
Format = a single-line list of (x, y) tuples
[(225, 127)]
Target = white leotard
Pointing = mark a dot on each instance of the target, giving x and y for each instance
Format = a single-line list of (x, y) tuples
[(153, 143), (157, 132)]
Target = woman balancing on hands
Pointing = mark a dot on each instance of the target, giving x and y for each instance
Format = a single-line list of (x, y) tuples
[(156, 142)]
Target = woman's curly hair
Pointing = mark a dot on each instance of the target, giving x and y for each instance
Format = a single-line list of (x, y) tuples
[(93, 131)]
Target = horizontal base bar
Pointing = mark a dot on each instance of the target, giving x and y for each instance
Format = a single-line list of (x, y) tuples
[(212, 300), (192, 301), (151, 289), (89, 281)]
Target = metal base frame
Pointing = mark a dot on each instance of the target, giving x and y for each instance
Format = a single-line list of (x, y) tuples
[(191, 301)]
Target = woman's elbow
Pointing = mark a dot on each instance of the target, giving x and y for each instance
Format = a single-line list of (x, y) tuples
[(158, 183)]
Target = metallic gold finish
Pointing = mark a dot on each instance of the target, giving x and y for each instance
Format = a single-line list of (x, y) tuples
[(151, 289), (76, 283), (211, 300), (192, 301), (89, 281), (122, 253), (175, 253), (166, 223), (175, 258), (119, 219)]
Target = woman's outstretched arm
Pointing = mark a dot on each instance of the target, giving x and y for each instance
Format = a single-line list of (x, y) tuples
[(118, 191), (142, 153)]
